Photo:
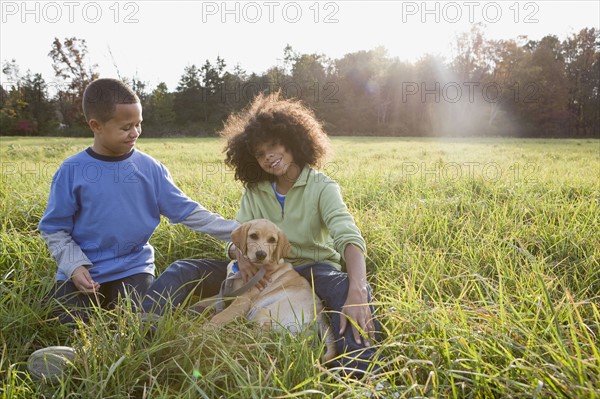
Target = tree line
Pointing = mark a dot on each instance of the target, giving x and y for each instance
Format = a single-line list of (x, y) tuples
[(510, 87)]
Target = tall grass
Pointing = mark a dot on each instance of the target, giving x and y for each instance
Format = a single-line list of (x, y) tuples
[(484, 257)]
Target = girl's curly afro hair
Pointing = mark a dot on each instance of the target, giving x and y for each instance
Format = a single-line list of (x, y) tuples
[(273, 119)]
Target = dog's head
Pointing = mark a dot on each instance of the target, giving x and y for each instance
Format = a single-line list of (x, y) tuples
[(261, 241)]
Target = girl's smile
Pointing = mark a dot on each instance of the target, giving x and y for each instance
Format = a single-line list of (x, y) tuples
[(276, 160), (273, 158), (276, 163)]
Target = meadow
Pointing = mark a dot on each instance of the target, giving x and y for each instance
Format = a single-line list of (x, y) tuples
[(483, 255)]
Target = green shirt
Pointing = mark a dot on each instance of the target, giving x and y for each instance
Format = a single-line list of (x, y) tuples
[(315, 219)]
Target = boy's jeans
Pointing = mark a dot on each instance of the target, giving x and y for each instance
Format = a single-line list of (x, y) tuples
[(202, 277), (79, 304)]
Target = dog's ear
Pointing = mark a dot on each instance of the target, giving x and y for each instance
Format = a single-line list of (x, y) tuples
[(239, 237), (283, 246)]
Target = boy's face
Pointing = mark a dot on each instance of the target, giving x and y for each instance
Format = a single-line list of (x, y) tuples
[(118, 135)]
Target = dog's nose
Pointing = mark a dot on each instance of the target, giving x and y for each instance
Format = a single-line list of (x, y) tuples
[(261, 255)]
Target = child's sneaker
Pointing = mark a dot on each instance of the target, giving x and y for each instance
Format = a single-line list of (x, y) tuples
[(51, 363)]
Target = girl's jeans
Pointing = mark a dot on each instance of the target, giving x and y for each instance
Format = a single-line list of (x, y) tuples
[(186, 278)]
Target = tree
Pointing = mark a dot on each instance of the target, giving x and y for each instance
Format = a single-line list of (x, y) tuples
[(582, 59), (473, 59), (212, 76), (189, 100), (12, 110), (543, 91), (233, 89), (507, 56), (39, 108), (359, 77), (214, 85), (308, 79), (160, 114), (71, 66), (12, 102), (400, 114), (429, 107), (25, 108)]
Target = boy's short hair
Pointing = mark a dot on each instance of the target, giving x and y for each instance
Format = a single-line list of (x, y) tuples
[(101, 97)]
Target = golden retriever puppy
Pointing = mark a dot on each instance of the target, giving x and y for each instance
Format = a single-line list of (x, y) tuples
[(288, 301)]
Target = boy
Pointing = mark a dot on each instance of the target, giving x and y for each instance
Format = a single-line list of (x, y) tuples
[(104, 204)]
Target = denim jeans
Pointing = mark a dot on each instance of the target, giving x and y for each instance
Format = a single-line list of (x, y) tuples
[(331, 285), (78, 303), (182, 280), (186, 278)]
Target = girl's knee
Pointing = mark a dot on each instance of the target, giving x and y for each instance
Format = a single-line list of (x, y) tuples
[(180, 272)]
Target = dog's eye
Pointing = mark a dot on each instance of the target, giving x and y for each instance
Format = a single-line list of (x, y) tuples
[(272, 240), (254, 236)]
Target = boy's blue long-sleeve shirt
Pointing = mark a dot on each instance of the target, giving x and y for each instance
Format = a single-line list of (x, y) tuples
[(102, 211)]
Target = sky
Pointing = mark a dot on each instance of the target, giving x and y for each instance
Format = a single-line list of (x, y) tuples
[(156, 40)]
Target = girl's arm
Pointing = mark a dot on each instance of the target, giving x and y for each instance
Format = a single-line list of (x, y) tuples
[(349, 242), (357, 306)]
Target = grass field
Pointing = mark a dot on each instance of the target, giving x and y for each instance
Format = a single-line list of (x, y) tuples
[(484, 258)]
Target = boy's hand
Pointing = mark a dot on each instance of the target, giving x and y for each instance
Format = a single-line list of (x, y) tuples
[(83, 281)]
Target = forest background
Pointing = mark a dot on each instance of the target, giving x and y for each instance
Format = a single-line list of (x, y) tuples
[(509, 87)]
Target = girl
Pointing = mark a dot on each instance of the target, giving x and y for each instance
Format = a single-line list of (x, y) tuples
[(273, 146)]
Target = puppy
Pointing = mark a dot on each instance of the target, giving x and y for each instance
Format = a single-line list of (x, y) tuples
[(288, 301)]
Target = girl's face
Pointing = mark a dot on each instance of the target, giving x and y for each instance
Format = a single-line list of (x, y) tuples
[(274, 158)]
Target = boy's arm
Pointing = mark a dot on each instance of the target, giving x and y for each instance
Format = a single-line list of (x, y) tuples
[(56, 225), (204, 221), (65, 251), (179, 208)]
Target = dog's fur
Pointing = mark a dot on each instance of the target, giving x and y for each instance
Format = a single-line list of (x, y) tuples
[(288, 300)]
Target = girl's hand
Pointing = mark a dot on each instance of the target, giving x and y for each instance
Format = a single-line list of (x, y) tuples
[(83, 281), (357, 308), (249, 269)]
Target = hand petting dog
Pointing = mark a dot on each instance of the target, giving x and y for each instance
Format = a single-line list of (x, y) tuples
[(249, 269)]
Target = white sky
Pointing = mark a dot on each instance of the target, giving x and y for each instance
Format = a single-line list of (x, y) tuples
[(155, 40)]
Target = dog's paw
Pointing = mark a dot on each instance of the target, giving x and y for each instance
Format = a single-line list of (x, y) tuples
[(217, 320), (212, 325)]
